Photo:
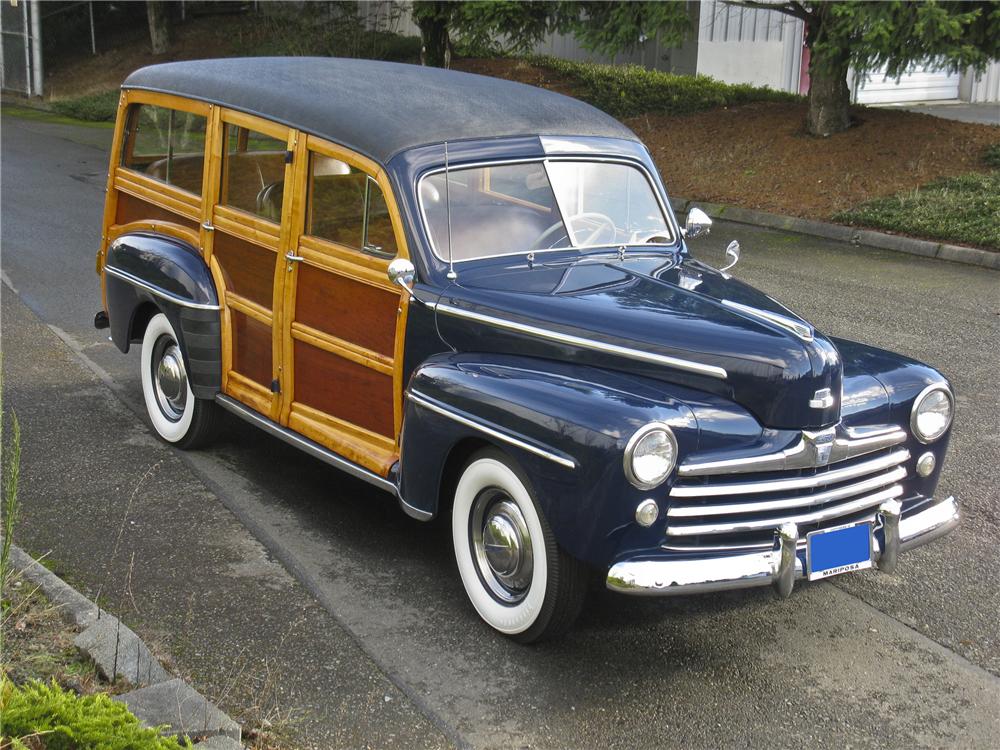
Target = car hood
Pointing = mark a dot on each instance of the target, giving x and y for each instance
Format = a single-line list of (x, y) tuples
[(657, 314)]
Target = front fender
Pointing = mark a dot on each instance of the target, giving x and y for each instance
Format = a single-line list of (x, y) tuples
[(566, 425), (144, 268)]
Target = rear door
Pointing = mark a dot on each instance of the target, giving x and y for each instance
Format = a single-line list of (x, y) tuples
[(245, 244), (343, 321)]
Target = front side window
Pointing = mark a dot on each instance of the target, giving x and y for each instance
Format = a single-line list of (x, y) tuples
[(253, 172), (517, 208), (167, 145), (347, 207)]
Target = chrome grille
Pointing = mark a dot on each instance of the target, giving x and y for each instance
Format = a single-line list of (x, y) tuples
[(740, 507)]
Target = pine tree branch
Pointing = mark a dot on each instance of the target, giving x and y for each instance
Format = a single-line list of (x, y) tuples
[(793, 8)]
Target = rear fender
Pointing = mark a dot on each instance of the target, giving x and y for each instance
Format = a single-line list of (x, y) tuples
[(146, 269), (566, 425)]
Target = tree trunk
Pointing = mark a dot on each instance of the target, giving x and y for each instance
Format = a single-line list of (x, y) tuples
[(436, 42), (159, 26), (829, 94)]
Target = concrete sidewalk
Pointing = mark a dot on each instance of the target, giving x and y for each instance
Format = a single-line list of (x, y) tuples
[(987, 114), (129, 525)]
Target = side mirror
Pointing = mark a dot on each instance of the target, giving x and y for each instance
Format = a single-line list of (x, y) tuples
[(733, 253), (401, 272), (697, 224)]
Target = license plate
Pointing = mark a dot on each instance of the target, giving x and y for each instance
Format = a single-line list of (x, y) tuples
[(840, 550)]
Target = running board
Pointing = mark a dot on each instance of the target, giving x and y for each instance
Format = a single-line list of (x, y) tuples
[(304, 444)]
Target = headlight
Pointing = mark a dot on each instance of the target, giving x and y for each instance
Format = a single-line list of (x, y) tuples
[(650, 455), (932, 413)]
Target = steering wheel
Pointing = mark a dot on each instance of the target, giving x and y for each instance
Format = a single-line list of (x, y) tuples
[(599, 221)]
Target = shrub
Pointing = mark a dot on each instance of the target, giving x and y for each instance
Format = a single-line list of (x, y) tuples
[(629, 90), (61, 719), (99, 107)]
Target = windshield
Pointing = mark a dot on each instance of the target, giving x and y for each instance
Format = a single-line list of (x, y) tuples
[(518, 208)]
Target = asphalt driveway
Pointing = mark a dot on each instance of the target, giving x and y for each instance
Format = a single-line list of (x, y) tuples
[(266, 577)]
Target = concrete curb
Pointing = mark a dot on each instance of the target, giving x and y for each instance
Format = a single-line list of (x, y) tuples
[(119, 652), (839, 232)]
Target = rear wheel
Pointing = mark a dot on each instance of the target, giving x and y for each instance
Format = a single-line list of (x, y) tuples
[(177, 416), (514, 572)]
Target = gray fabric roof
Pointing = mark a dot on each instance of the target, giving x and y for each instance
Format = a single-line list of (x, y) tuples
[(378, 108)]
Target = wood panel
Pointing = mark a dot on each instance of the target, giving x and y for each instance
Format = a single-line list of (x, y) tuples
[(131, 208), (347, 309), (364, 448), (247, 269), (251, 348), (337, 386)]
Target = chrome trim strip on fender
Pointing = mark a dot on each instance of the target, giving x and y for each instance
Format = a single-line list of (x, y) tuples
[(155, 290), (600, 346), (438, 408), (313, 449), (802, 455), (794, 483), (669, 576)]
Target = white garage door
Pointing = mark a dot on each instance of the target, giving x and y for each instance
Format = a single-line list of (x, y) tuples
[(922, 85)]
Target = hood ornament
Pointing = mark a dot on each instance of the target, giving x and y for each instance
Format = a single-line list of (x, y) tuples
[(803, 330)]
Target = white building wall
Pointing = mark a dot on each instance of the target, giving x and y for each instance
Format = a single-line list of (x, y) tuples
[(984, 87), (749, 45)]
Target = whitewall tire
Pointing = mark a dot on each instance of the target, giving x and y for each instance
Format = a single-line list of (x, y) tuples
[(177, 416), (514, 573)]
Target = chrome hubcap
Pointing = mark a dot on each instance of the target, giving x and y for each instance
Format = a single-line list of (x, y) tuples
[(169, 379), (502, 546)]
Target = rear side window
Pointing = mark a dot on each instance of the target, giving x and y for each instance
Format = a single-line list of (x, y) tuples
[(167, 145), (347, 206), (253, 172)]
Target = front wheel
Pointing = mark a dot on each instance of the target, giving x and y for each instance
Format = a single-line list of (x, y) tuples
[(177, 416), (514, 572)]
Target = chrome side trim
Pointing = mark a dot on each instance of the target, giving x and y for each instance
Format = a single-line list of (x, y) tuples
[(765, 506), (600, 346), (803, 330), (794, 483), (735, 527), (155, 290), (802, 455), (412, 512), (438, 408), (298, 441), (673, 575)]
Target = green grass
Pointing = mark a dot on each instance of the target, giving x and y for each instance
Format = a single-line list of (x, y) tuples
[(99, 107), (630, 90), (962, 209), (41, 115), (991, 156)]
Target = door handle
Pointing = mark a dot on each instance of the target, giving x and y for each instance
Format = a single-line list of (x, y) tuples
[(292, 257), (207, 226)]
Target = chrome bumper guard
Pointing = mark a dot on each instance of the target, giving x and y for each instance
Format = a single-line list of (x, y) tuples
[(780, 566)]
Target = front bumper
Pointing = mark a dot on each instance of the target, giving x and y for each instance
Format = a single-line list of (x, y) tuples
[(780, 566)]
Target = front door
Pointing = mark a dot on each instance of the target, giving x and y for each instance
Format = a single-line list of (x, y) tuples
[(342, 319), (243, 233)]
